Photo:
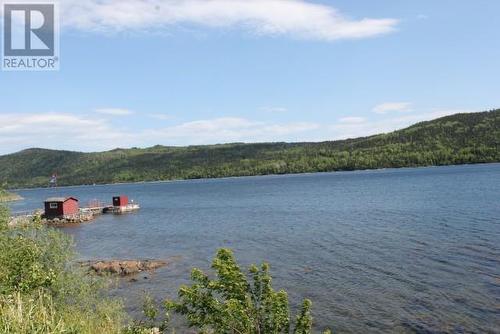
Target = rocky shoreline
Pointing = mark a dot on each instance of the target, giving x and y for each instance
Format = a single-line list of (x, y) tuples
[(75, 220), (80, 218)]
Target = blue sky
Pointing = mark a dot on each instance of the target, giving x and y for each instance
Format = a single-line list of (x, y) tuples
[(146, 72)]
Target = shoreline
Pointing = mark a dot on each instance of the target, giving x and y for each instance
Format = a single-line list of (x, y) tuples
[(6, 197), (250, 176)]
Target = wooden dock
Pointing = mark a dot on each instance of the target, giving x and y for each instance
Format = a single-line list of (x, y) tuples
[(122, 209)]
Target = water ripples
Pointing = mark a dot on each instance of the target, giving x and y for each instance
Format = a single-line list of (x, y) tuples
[(393, 251)]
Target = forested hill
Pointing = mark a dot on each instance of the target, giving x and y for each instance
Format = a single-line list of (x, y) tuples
[(456, 139)]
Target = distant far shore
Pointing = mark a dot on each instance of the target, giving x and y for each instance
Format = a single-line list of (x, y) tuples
[(469, 138), (246, 176), (6, 196)]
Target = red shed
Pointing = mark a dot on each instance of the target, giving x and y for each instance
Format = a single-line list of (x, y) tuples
[(61, 207), (120, 200)]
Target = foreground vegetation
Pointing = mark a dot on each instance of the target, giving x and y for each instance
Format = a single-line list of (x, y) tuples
[(231, 303), (456, 139), (43, 290)]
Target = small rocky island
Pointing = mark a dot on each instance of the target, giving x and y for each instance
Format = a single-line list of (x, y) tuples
[(123, 267)]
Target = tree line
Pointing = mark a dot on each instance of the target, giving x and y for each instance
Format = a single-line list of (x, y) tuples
[(457, 139)]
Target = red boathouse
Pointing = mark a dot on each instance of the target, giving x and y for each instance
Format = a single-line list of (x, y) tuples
[(58, 207), (120, 201)]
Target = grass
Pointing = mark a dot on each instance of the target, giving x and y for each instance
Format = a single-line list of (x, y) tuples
[(40, 313), (42, 288)]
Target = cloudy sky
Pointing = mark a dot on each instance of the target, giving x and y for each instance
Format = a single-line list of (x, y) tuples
[(181, 72)]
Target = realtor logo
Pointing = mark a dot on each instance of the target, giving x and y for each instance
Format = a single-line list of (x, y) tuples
[(31, 37)]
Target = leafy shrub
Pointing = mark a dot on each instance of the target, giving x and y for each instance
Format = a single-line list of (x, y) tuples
[(230, 304)]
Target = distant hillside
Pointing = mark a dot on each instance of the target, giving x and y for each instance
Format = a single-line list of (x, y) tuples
[(456, 139)]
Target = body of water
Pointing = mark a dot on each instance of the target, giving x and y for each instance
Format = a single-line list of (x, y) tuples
[(408, 250)]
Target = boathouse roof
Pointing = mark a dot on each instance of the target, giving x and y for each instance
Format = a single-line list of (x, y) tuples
[(60, 199)]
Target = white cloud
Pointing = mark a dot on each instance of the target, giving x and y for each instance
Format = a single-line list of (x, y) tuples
[(229, 129), (391, 107), (55, 130), (372, 127), (88, 133), (293, 18), (114, 111)]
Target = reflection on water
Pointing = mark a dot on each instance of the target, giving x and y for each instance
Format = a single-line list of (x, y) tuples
[(410, 250)]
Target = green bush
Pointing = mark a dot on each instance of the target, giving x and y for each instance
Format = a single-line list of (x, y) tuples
[(231, 304), (42, 289)]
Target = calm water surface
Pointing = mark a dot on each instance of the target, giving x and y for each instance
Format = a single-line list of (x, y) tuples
[(389, 251)]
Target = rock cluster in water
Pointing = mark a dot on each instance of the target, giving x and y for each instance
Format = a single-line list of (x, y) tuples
[(124, 267)]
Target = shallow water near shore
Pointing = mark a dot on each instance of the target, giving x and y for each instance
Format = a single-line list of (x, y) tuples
[(386, 251)]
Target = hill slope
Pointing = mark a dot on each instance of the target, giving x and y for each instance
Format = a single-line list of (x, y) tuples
[(456, 139)]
